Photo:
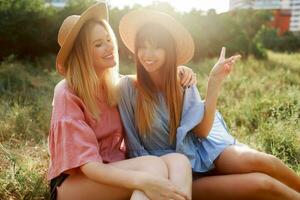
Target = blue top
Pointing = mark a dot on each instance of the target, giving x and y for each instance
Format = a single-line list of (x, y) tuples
[(200, 151)]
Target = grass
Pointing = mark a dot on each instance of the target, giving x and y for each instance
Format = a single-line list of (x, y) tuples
[(260, 102)]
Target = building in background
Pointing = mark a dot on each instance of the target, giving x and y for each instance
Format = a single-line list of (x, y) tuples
[(255, 4), (295, 18), (286, 12)]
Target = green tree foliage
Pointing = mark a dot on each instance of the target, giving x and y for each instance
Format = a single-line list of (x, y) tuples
[(269, 38), (29, 29)]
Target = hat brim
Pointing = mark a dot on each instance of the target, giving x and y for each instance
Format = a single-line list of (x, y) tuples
[(98, 11), (131, 23)]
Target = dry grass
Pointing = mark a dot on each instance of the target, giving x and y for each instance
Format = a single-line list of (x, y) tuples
[(260, 103)]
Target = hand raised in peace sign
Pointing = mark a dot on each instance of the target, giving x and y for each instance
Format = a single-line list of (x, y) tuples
[(223, 67)]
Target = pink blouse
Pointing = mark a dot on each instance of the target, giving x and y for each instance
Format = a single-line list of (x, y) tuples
[(76, 138)]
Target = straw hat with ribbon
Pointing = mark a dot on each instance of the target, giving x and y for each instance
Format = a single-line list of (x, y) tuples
[(131, 23), (71, 27)]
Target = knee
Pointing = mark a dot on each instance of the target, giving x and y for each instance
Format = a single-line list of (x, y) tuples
[(180, 161), (262, 162), (183, 160), (273, 162), (264, 183), (155, 166)]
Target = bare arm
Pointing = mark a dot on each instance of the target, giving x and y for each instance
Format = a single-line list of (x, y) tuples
[(153, 187), (219, 72), (204, 127), (108, 174)]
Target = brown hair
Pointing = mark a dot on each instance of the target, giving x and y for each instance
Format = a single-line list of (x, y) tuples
[(147, 98)]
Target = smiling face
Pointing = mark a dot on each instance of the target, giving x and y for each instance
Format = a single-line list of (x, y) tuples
[(102, 49), (151, 57), (156, 71), (155, 54)]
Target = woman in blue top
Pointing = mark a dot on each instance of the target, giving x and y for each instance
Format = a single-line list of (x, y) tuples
[(160, 117)]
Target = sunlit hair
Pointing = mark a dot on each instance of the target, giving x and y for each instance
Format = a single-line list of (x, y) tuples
[(147, 98), (81, 75)]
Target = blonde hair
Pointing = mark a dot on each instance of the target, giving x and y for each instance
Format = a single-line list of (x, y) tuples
[(81, 75), (147, 98)]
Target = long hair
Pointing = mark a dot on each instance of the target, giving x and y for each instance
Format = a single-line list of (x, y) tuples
[(81, 75), (147, 98)]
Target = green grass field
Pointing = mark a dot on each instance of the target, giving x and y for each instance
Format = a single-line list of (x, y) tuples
[(260, 102)]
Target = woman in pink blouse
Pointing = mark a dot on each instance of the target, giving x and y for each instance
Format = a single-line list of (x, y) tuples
[(87, 156)]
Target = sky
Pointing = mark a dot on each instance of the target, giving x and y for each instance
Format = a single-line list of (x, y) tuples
[(180, 5)]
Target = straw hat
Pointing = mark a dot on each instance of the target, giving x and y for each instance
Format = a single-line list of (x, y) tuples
[(70, 29), (133, 21)]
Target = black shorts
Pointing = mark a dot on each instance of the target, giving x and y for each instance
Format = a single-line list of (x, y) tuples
[(197, 175), (54, 183)]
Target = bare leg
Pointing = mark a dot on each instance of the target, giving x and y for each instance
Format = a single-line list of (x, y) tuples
[(138, 195), (180, 173), (78, 186), (237, 159), (249, 186)]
